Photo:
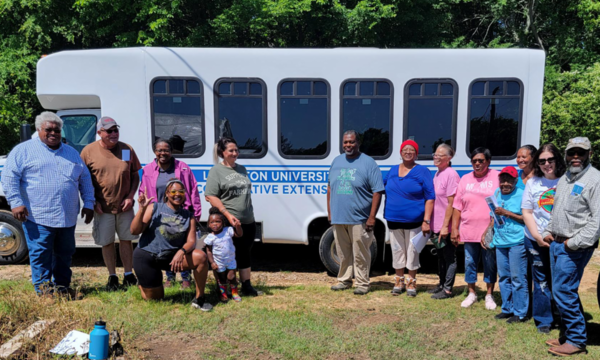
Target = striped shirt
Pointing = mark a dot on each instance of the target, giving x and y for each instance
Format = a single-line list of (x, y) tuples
[(576, 211), (47, 182)]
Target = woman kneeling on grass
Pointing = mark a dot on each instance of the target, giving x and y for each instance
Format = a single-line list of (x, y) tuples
[(168, 242)]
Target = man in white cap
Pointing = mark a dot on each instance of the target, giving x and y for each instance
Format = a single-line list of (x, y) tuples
[(573, 233), (114, 168)]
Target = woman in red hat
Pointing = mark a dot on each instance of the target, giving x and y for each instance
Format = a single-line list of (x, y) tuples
[(408, 207)]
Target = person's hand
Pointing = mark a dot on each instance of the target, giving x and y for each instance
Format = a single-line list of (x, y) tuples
[(548, 239), (541, 243), (214, 266), (444, 232), (370, 225), (567, 248), (177, 262), (127, 204), (233, 220), (98, 208), (329, 218), (455, 237), (425, 228), (482, 242), (88, 214), (502, 212), (143, 200), (20, 213)]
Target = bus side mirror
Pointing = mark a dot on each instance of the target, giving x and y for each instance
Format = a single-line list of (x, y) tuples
[(25, 132)]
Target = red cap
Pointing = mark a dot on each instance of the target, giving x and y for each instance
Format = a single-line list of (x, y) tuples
[(411, 143), (510, 171)]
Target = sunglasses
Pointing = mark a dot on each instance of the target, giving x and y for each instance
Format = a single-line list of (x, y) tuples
[(477, 161), (550, 160), (180, 192), (576, 151), (110, 131), (52, 130)]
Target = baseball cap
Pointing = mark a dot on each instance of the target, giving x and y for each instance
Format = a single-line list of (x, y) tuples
[(510, 171), (579, 142), (106, 123)]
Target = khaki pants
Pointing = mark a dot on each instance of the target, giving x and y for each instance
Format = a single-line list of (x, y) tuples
[(353, 244), (404, 254)]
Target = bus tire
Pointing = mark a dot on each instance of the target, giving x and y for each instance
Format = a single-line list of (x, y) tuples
[(13, 246), (328, 253)]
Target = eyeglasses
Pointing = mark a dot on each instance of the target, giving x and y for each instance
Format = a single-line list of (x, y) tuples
[(110, 131), (180, 192), (550, 160), (52, 130), (477, 161), (435, 156), (576, 151)]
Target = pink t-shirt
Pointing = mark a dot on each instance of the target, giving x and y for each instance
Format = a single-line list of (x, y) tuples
[(445, 184), (470, 201)]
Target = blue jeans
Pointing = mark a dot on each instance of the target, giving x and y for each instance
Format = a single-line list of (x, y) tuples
[(185, 275), (473, 252), (512, 270), (539, 260), (50, 253), (567, 270)]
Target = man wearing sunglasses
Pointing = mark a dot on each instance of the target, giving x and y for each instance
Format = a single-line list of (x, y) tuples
[(114, 168), (42, 180), (573, 233)]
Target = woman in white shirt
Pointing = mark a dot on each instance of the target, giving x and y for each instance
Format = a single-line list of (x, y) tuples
[(538, 200)]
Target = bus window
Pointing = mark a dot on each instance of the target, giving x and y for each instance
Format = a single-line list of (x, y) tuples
[(79, 130), (178, 114), (495, 116), (430, 114), (304, 118), (241, 113), (366, 106)]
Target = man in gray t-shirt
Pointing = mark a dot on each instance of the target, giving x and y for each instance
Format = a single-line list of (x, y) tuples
[(353, 198)]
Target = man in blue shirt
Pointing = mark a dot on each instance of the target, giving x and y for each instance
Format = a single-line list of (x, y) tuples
[(353, 198), (42, 179)]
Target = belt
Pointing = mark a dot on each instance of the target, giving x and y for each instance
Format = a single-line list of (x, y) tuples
[(560, 239)]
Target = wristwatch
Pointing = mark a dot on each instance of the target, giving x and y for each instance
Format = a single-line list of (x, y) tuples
[(427, 221), (185, 252)]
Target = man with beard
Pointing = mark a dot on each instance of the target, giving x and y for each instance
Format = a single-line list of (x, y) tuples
[(353, 198), (573, 233)]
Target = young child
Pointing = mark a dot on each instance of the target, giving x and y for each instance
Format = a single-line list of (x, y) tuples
[(221, 252)]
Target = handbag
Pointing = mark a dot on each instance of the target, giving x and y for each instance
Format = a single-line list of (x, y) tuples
[(437, 241)]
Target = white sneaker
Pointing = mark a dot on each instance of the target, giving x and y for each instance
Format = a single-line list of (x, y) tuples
[(490, 304), (470, 300)]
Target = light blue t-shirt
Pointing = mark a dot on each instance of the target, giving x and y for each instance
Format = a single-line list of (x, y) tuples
[(511, 233), (353, 183), (520, 183)]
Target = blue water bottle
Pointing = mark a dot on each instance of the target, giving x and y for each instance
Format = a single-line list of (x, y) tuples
[(99, 341)]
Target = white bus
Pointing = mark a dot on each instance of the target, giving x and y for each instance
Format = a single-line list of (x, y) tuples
[(287, 109)]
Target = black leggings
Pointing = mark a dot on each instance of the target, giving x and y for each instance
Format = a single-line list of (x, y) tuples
[(148, 268), (243, 246)]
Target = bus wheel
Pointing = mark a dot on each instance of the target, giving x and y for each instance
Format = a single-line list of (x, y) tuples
[(328, 252), (13, 247)]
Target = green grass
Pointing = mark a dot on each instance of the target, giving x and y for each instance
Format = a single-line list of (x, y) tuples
[(296, 322)]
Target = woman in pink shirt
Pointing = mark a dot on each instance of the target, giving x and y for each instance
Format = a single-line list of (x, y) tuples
[(445, 182), (471, 218)]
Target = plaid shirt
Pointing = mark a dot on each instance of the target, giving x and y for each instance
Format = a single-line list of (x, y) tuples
[(47, 182), (576, 211)]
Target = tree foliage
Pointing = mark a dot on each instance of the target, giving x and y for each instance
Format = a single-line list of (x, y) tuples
[(567, 30)]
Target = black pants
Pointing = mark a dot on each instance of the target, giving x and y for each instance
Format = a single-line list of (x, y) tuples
[(447, 263), (243, 246)]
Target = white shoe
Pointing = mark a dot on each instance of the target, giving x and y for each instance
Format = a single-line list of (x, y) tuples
[(470, 300), (490, 304)]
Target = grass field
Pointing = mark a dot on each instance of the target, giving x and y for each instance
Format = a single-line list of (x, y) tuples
[(289, 322)]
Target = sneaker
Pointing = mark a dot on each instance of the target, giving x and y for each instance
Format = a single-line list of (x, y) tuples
[(399, 285), (169, 283), (361, 291), (113, 283), (249, 290), (436, 289), (441, 295), (200, 303), (234, 294), (517, 319), (411, 287), (470, 300), (503, 316), (339, 287), (490, 304), (185, 284), (129, 280), (545, 330)]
